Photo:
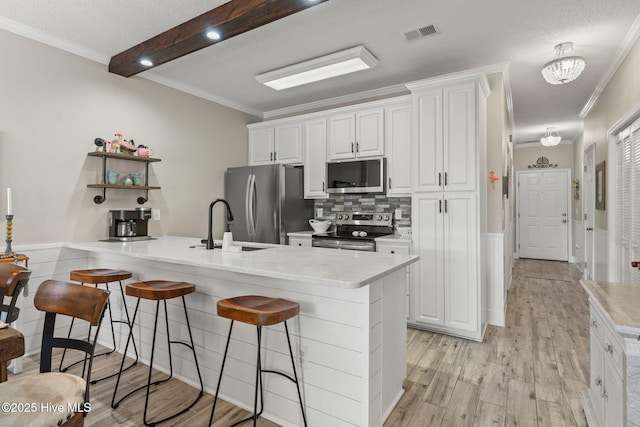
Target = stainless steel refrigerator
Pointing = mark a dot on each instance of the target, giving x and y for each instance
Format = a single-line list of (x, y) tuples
[(267, 202)]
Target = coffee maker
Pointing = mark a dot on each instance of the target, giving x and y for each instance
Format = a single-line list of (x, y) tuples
[(127, 226)]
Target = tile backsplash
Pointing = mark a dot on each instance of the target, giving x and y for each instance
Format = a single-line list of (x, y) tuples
[(365, 203)]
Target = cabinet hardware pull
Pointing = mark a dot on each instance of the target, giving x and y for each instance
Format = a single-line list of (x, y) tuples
[(275, 156), (598, 382), (389, 182), (393, 252), (271, 157), (446, 209), (357, 147), (323, 186), (594, 324), (440, 202), (445, 178), (439, 179), (352, 147), (609, 349)]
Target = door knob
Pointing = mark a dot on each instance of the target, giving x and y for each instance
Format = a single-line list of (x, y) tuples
[(589, 228), (564, 221)]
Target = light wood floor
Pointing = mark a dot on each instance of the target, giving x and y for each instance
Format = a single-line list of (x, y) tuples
[(530, 373)]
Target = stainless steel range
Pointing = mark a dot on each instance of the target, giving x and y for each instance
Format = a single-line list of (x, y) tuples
[(356, 231)]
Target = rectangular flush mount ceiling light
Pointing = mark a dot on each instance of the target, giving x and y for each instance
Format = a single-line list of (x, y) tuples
[(332, 65)]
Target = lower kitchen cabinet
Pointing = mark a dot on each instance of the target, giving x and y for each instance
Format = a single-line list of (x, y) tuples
[(604, 401), (401, 247), (446, 296), (300, 241)]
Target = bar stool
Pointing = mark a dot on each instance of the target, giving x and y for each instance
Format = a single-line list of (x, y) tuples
[(159, 290), (259, 311), (97, 277)]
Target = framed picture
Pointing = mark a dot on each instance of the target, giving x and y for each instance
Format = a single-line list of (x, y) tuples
[(601, 183)]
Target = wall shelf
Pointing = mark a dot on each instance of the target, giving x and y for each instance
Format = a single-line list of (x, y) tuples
[(146, 187)]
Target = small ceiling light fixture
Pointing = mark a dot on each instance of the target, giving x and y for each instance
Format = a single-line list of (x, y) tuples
[(213, 35), (332, 65), (551, 138), (563, 69), (146, 62)]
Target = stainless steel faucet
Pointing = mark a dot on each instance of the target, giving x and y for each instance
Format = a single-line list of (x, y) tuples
[(210, 244)]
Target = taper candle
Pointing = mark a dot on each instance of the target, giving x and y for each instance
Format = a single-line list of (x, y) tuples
[(9, 207)]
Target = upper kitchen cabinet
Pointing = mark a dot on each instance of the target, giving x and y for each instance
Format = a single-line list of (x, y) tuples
[(315, 159), (356, 135), (398, 148), (279, 144), (446, 134)]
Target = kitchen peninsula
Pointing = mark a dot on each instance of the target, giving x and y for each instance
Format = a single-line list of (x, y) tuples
[(349, 339)]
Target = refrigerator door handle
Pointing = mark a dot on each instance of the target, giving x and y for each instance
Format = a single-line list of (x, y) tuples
[(246, 205), (252, 207)]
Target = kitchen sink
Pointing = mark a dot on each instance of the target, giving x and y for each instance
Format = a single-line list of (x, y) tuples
[(244, 248)]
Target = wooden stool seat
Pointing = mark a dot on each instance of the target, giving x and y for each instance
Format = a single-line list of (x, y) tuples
[(258, 310), (157, 290), (99, 275)]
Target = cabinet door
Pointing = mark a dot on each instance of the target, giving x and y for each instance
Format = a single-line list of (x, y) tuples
[(460, 261), (614, 395), (398, 140), (288, 144), (428, 240), (370, 133), (428, 166), (315, 159), (342, 133), (459, 137), (596, 372), (261, 146)]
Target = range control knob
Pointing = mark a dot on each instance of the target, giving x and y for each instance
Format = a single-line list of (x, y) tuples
[(346, 217), (386, 217), (379, 217), (340, 216)]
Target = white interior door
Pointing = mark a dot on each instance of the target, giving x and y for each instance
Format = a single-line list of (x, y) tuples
[(543, 214), (588, 209)]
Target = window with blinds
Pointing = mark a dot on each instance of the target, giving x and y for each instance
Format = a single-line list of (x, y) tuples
[(627, 202)]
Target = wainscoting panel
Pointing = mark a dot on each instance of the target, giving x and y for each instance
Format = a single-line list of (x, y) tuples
[(493, 248)]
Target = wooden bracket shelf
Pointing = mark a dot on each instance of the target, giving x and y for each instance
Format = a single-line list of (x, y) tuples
[(146, 187)]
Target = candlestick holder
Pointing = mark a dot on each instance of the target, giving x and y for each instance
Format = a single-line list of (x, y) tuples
[(8, 251)]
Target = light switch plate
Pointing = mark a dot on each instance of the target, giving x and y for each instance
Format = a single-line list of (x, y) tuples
[(319, 212), (398, 213), (156, 214)]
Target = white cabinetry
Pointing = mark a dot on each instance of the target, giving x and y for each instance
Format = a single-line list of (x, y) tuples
[(449, 120), (315, 159), (401, 247), (356, 135), (446, 135), (280, 144), (398, 148), (300, 241), (605, 400)]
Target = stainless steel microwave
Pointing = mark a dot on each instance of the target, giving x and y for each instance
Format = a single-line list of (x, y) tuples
[(360, 176)]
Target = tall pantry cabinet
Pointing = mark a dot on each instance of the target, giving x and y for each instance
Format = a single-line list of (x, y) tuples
[(449, 155)]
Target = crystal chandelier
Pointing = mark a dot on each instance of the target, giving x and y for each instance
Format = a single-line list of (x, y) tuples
[(563, 69), (551, 138)]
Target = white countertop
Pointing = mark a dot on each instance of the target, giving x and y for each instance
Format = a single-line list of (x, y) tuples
[(345, 269), (395, 238), (305, 233)]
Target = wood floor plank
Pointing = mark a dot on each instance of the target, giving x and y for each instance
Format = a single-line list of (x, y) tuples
[(462, 406), (489, 415), (494, 386), (521, 404)]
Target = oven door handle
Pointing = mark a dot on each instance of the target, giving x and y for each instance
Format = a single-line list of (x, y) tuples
[(342, 244)]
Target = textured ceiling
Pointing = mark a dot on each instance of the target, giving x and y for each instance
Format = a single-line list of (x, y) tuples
[(472, 34)]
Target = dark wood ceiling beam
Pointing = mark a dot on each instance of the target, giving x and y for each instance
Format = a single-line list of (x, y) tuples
[(230, 19)]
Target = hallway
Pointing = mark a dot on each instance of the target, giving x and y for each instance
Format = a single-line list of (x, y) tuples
[(530, 373)]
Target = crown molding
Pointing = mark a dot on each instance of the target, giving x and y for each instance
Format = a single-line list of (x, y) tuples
[(48, 39), (400, 89), (531, 144), (629, 41), (473, 74)]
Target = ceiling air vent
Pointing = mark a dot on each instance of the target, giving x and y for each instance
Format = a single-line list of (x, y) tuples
[(420, 32)]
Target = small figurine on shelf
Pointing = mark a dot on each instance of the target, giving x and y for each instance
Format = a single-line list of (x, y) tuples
[(143, 151), (121, 145)]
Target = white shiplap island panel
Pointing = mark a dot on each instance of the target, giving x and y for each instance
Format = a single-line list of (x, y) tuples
[(349, 339)]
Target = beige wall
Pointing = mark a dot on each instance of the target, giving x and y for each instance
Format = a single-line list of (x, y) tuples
[(562, 155), (496, 152), (53, 106), (620, 96)]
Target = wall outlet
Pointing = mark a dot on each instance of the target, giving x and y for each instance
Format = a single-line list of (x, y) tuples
[(156, 214), (302, 356), (319, 212), (398, 214)]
